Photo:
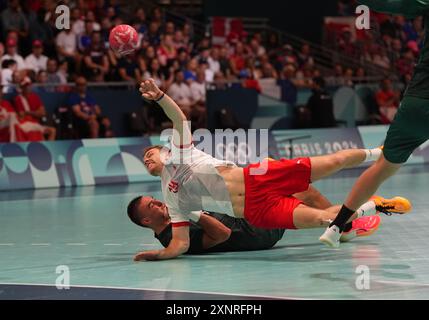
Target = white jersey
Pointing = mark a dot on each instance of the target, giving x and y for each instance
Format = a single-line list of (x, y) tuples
[(190, 182)]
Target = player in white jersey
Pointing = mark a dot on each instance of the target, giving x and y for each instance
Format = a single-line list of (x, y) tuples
[(193, 180)]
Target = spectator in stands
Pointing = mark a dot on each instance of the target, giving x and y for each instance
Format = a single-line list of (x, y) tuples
[(190, 73), (188, 36), (182, 59), (360, 76), (12, 53), (95, 62), (198, 94), (346, 44), (388, 101), (154, 35), (36, 61), (395, 52), (405, 64), (179, 40), (85, 110), (287, 57), (249, 81), (204, 65), (237, 59), (42, 77), (8, 66), (304, 56), (198, 88), (52, 72), (224, 62), (31, 111), (170, 28), (321, 105), (255, 48), (157, 16), (304, 76), (381, 59), (268, 71), (140, 21), (180, 92), (154, 72), (413, 29), (66, 45), (14, 19), (90, 18), (63, 71), (336, 79), (129, 69), (166, 51), (84, 39), (8, 121), (289, 91), (348, 77), (213, 60), (77, 22)]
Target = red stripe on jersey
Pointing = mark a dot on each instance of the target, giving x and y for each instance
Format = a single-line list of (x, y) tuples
[(184, 145), (180, 224)]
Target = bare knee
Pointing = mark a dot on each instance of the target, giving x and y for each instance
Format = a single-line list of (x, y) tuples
[(383, 169)]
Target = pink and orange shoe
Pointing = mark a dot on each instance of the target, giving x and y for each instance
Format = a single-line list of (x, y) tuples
[(361, 227)]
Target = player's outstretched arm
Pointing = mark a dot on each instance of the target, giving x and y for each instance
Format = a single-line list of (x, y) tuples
[(401, 7), (179, 244), (150, 91)]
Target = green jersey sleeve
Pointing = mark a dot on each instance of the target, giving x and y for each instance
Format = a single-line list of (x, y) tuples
[(409, 8)]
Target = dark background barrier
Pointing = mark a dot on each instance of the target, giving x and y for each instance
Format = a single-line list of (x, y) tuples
[(242, 102), (282, 14), (115, 103)]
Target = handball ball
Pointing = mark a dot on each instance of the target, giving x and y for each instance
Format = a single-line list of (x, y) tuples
[(123, 39)]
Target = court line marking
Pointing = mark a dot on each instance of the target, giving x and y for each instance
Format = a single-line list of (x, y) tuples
[(113, 244), (76, 244), (7, 244), (74, 197), (160, 290), (402, 283), (40, 244)]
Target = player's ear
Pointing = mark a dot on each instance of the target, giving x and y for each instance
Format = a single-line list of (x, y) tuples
[(145, 221)]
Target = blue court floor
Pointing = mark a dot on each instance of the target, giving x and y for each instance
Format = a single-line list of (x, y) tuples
[(87, 230)]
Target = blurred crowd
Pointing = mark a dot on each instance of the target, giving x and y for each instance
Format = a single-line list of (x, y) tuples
[(392, 42), (34, 51)]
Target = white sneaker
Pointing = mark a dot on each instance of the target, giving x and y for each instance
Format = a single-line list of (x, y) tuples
[(331, 236)]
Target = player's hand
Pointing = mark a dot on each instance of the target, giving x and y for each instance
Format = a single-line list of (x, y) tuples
[(150, 90), (147, 255)]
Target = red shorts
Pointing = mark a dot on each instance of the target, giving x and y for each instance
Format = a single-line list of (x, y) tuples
[(269, 202)]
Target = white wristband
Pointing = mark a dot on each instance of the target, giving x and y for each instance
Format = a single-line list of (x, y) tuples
[(195, 215)]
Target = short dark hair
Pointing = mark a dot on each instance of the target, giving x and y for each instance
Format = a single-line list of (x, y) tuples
[(155, 146), (7, 63), (133, 211)]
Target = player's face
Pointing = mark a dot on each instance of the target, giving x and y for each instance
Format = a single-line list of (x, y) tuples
[(152, 162), (154, 212)]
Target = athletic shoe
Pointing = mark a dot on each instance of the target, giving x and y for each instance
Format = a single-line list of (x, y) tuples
[(331, 236), (396, 205), (361, 227)]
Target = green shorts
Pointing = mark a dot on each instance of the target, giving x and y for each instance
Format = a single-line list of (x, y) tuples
[(409, 129)]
